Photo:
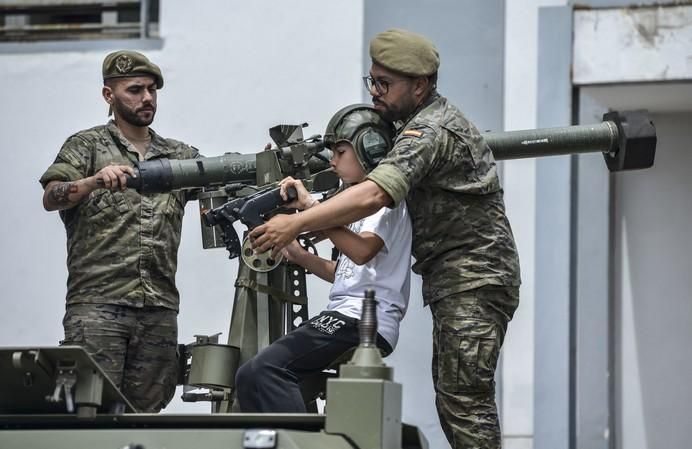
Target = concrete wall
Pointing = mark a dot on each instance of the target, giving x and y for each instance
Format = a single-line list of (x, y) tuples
[(653, 300), (520, 183), (615, 398), (627, 45), (650, 311)]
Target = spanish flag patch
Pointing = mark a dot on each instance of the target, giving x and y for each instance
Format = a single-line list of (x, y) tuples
[(412, 133)]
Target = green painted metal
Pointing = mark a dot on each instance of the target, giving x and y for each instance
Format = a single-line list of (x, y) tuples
[(602, 138)]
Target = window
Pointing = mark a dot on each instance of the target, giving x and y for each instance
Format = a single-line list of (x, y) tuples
[(55, 20)]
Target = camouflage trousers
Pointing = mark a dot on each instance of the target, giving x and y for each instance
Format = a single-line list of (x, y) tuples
[(136, 347), (468, 331)]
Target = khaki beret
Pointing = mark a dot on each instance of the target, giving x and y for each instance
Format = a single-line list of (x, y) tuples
[(405, 52), (126, 63)]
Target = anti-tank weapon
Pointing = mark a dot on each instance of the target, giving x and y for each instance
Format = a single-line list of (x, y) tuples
[(230, 181), (626, 139), (292, 156)]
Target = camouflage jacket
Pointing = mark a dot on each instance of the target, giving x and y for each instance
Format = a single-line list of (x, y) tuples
[(461, 236), (122, 247)]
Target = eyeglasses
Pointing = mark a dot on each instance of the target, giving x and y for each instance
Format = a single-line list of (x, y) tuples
[(381, 86)]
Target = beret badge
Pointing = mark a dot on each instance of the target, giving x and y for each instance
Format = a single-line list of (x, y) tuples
[(123, 64)]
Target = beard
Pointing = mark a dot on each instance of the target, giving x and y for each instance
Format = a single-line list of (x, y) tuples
[(395, 112), (132, 116)]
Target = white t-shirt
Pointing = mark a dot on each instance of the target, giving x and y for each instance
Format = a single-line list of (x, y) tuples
[(388, 273)]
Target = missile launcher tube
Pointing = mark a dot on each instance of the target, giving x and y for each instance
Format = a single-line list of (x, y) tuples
[(553, 141), (164, 175), (626, 139)]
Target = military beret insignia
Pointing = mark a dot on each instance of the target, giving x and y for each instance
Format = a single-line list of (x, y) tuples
[(123, 64), (412, 133)]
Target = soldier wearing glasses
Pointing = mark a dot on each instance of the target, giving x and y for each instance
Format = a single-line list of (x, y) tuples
[(462, 240)]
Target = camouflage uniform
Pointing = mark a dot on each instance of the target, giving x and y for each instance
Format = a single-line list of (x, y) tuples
[(122, 247), (465, 251)]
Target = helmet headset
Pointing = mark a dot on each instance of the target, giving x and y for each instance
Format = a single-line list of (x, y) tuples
[(361, 126)]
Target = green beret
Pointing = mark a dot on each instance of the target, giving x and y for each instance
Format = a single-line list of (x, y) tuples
[(405, 52), (126, 63)]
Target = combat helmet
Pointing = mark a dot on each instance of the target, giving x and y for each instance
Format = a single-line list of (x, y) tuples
[(361, 126)]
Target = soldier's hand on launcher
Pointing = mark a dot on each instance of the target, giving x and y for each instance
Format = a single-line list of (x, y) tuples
[(112, 177)]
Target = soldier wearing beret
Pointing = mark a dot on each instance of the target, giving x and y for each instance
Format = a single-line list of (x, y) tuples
[(462, 240), (122, 302)]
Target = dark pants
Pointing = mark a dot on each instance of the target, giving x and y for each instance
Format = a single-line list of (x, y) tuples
[(136, 347), (468, 331), (270, 381)]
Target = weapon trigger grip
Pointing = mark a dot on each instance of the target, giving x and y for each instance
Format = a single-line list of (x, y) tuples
[(291, 194)]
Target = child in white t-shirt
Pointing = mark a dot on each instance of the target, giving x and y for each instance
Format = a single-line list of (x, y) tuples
[(375, 253)]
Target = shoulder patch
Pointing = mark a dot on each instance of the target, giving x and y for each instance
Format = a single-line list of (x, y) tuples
[(412, 133)]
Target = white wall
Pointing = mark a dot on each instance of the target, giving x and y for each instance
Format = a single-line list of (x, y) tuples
[(632, 44), (652, 211), (654, 303)]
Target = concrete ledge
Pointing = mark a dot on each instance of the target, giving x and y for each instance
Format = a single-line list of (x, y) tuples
[(80, 46), (632, 45)]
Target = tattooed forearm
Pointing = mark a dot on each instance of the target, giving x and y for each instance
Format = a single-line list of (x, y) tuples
[(65, 195), (60, 194)]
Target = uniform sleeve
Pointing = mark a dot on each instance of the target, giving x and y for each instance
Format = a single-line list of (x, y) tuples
[(410, 161), (71, 164)]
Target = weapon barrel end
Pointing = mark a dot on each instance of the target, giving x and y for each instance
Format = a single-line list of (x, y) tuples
[(636, 141)]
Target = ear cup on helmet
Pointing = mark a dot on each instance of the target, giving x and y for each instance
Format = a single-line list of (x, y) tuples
[(369, 134), (371, 146)]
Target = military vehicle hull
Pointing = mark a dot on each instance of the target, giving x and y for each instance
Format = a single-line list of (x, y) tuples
[(145, 431)]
